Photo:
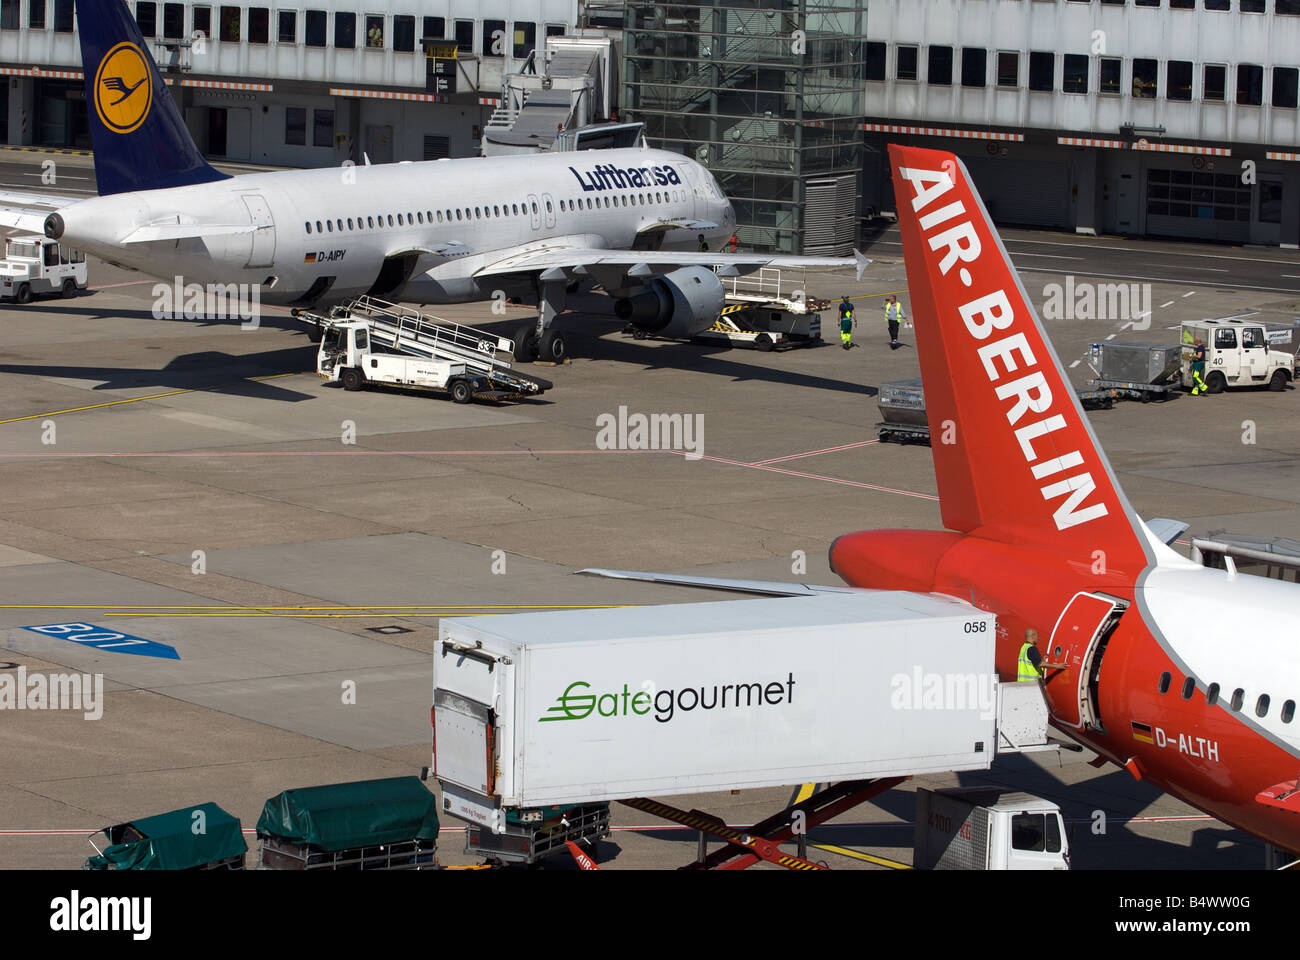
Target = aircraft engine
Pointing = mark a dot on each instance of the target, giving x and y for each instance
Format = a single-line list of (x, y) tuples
[(677, 305)]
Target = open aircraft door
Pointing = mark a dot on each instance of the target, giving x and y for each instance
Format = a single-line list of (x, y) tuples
[(262, 253), (1073, 657)]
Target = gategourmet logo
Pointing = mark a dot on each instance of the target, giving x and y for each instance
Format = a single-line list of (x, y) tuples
[(579, 701)]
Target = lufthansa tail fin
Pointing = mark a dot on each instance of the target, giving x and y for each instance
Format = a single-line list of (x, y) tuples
[(1015, 458), (137, 131)]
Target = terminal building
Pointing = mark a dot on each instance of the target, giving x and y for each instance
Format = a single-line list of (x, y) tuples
[(1176, 118), (306, 86)]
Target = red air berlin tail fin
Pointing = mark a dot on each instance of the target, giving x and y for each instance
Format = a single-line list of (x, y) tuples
[(1015, 458)]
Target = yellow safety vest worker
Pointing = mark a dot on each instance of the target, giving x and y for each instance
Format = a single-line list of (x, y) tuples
[(1025, 669), (893, 311)]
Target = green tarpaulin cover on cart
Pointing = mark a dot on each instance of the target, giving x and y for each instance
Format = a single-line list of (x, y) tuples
[(178, 840), (340, 816)]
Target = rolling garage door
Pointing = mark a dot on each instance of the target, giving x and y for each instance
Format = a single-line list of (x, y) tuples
[(1023, 192)]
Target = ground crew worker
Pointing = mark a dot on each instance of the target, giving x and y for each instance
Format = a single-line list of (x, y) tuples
[(846, 322), (1198, 368), (1029, 665), (704, 244), (735, 242), (893, 314)]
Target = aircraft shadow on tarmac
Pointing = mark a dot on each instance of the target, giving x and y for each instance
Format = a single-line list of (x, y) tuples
[(271, 318), (598, 338), (208, 370)]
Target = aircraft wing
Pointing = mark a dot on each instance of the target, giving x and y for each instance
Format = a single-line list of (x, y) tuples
[(769, 588), (581, 261)]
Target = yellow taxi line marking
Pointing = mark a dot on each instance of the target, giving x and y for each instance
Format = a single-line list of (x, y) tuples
[(859, 855), (153, 396)]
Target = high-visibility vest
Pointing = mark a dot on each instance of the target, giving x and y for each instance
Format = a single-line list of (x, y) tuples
[(1025, 669), (893, 311)]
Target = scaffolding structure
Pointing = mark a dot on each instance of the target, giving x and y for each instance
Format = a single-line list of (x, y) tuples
[(769, 95)]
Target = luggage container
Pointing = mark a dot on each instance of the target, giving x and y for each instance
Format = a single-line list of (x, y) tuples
[(903, 418), (203, 837), (387, 824)]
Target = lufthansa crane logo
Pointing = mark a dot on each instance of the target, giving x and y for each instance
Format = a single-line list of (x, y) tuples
[(123, 93)]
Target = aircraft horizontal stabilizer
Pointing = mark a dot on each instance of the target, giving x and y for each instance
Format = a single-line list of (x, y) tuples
[(771, 588), (17, 218), (185, 231)]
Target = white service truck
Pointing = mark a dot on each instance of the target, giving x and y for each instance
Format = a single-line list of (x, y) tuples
[(1240, 353), (987, 828), (33, 265), (347, 355), (540, 710)]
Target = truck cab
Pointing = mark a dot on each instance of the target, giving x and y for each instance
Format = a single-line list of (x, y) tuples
[(987, 828), (34, 265), (1238, 353)]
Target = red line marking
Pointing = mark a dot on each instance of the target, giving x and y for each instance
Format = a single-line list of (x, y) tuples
[(818, 476), (813, 453)]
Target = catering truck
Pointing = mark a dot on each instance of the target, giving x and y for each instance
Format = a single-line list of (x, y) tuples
[(987, 828), (539, 710)]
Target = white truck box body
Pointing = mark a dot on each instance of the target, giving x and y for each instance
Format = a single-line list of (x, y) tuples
[(693, 697)]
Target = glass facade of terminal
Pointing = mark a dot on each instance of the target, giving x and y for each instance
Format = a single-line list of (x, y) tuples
[(768, 94)]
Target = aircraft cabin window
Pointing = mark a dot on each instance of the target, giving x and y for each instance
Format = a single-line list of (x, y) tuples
[(478, 215), (1261, 705), (1238, 698), (1189, 688), (1288, 711), (329, 225), (1211, 694), (419, 216), (399, 221), (340, 223), (548, 207), (370, 222), (534, 207), (1164, 681), (318, 227), (496, 211), (410, 218), (390, 220), (458, 214), (440, 216), (428, 215), (308, 225), (515, 209)]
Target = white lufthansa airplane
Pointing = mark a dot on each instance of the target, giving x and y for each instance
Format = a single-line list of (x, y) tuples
[(443, 231)]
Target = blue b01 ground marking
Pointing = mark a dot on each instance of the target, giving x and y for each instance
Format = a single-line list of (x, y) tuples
[(89, 635)]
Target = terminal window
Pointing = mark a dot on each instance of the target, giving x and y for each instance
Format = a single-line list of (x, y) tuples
[(1146, 75), (322, 128), (940, 66), (1218, 4), (1197, 194), (1182, 4), (1108, 75), (974, 66), (173, 20), (1042, 70), (404, 34), (465, 36), (345, 31), (374, 32), (287, 32), (1252, 6), (259, 25), (525, 39), (1250, 84), (1178, 80), (1074, 73), (435, 28), (875, 61), (230, 25), (146, 18), (905, 67), (1216, 79), (315, 28), (1284, 86), (1008, 68), (36, 14), (63, 16), (202, 19), (494, 38), (1287, 7), (9, 15), (295, 126)]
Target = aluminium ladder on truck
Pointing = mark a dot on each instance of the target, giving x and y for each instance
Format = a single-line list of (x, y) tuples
[(404, 330)]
